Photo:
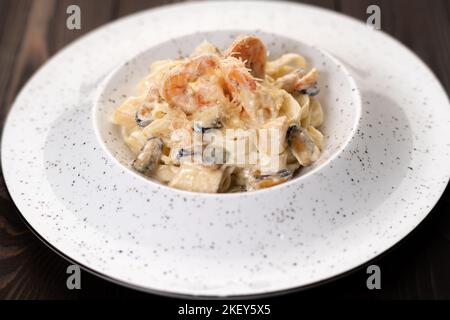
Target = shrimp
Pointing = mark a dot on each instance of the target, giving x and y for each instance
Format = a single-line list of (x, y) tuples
[(239, 83), (298, 80), (193, 84), (252, 51)]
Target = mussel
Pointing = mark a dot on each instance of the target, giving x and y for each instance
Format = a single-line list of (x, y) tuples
[(210, 156), (184, 152), (148, 158), (214, 156), (259, 181), (311, 90), (143, 116), (299, 80), (207, 119), (301, 145), (202, 128)]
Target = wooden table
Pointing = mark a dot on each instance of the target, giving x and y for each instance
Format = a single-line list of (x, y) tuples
[(32, 31)]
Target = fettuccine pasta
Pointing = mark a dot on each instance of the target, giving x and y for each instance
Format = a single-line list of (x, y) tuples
[(224, 121)]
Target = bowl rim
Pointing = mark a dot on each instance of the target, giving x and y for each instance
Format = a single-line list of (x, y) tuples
[(356, 99)]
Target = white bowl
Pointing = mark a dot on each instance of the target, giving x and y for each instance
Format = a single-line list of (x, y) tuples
[(339, 95)]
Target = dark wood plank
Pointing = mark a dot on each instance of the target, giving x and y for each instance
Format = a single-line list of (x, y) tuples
[(93, 15), (13, 21), (423, 26), (31, 31), (128, 7), (33, 51)]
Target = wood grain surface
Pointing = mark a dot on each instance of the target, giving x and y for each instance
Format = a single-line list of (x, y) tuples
[(31, 31)]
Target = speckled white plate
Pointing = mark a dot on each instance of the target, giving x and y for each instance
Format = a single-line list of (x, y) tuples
[(95, 212)]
